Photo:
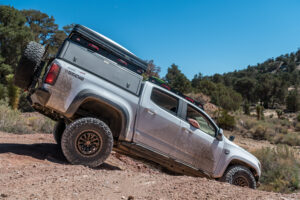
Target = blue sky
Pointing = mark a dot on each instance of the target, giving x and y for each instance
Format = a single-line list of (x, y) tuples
[(213, 36)]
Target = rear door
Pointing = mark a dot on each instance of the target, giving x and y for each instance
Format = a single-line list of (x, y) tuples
[(157, 123)]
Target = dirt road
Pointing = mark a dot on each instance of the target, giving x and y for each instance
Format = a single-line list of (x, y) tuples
[(32, 167)]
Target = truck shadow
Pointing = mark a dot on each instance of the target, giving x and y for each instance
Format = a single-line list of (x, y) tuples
[(44, 151)]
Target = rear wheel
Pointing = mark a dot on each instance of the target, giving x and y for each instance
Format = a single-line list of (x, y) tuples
[(87, 141), (28, 64), (240, 176)]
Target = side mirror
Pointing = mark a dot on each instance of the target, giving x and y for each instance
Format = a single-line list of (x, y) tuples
[(231, 138), (220, 135), (194, 123)]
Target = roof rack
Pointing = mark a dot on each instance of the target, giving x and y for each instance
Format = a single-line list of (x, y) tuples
[(163, 84)]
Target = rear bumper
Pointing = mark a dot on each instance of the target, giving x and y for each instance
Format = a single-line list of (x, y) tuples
[(40, 96)]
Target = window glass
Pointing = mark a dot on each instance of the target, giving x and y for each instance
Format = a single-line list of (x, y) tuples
[(205, 124), (164, 100)]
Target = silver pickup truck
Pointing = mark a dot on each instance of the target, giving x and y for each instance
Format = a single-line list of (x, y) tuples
[(93, 88)]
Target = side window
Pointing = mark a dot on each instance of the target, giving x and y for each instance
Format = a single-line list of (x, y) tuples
[(164, 100), (205, 124)]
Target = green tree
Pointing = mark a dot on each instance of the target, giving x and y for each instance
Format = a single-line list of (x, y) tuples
[(246, 87), (197, 80), (152, 70), (68, 28), (177, 80), (14, 35), (293, 101), (42, 26)]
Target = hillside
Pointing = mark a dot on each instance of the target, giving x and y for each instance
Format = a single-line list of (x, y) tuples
[(32, 167)]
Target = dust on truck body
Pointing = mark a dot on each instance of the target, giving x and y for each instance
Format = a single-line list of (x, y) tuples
[(95, 91)]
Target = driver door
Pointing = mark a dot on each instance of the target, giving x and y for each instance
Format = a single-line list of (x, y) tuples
[(198, 147)]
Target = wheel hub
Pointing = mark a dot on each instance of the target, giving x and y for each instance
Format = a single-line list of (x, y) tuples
[(241, 181), (88, 143)]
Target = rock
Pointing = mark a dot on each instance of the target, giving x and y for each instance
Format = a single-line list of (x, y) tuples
[(130, 198)]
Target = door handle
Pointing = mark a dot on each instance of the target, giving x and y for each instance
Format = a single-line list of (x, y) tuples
[(151, 112), (187, 130)]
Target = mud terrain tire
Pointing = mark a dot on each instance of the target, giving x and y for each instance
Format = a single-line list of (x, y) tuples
[(240, 176), (87, 141), (58, 130), (28, 64)]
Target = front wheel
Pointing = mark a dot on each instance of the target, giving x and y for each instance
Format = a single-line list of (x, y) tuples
[(87, 141), (240, 176)]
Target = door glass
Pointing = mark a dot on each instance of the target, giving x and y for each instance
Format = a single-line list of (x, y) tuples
[(164, 100), (205, 124)]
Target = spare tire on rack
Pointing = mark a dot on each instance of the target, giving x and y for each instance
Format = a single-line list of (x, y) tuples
[(28, 64)]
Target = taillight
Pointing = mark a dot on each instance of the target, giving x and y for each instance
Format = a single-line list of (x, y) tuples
[(52, 74)]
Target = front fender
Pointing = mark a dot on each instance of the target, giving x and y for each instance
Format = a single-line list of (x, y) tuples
[(234, 159)]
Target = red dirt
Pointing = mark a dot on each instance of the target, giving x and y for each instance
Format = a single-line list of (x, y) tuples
[(32, 167)]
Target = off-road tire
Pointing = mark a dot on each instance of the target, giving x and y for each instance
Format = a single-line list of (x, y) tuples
[(237, 175), (28, 64), (73, 134), (58, 130)]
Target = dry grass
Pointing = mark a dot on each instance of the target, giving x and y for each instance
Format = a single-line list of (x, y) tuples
[(13, 121), (276, 131), (280, 169)]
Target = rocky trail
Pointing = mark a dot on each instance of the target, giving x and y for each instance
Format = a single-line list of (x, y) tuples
[(33, 167)]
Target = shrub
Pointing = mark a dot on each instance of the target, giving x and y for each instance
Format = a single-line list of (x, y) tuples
[(40, 124), (280, 170), (11, 120), (297, 127), (260, 112), (293, 101), (13, 92), (292, 139), (226, 121), (249, 124), (298, 118), (246, 107), (279, 113), (260, 133)]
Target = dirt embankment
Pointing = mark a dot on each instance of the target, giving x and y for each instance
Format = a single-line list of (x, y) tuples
[(32, 167)]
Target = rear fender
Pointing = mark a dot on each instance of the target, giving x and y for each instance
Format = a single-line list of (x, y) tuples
[(87, 94)]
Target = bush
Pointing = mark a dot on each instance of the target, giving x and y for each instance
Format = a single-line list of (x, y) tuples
[(40, 124), (292, 139), (260, 112), (280, 170), (260, 133), (246, 108), (298, 118), (297, 127), (249, 124), (293, 101), (226, 121), (11, 120), (279, 113), (13, 92)]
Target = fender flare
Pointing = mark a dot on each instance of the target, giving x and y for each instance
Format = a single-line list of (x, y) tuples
[(87, 94), (221, 169)]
